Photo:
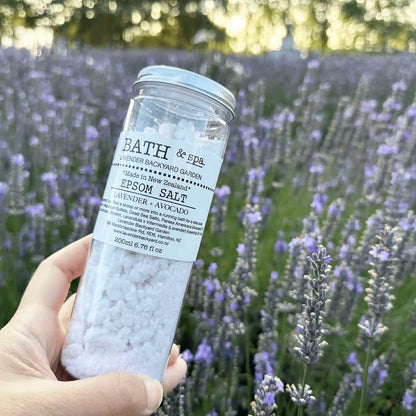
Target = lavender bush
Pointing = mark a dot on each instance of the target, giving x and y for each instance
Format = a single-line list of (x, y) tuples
[(320, 167)]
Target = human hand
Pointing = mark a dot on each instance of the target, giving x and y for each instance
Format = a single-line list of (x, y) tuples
[(32, 380)]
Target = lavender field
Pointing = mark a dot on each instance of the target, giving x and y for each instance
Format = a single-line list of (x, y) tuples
[(303, 299)]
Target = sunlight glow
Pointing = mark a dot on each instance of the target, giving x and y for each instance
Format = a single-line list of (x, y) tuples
[(31, 39), (254, 26)]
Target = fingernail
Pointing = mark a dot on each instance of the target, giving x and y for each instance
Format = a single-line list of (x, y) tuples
[(174, 346), (154, 392)]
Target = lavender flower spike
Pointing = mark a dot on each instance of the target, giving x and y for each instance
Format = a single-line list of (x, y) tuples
[(309, 342), (379, 293), (264, 403), (300, 395), (346, 389), (409, 398)]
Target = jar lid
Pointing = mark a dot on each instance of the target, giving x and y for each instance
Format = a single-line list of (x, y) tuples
[(191, 80)]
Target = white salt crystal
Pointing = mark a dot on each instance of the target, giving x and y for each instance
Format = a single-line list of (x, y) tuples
[(125, 332), (104, 304), (74, 350), (127, 319), (100, 316), (97, 337), (131, 296), (78, 327), (184, 130), (115, 312), (166, 130), (149, 130)]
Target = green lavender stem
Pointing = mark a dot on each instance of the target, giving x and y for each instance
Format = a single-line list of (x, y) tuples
[(305, 370), (365, 377), (247, 358)]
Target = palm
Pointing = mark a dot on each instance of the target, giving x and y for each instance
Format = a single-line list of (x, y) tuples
[(39, 334), (32, 341)]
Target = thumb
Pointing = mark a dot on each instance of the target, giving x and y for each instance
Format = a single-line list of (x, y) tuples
[(114, 394)]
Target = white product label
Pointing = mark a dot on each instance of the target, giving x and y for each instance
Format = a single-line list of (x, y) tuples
[(158, 196)]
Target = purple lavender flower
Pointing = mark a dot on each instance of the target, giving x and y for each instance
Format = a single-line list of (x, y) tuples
[(219, 297), (264, 403), (36, 210), (94, 201), (280, 247), (254, 217), (199, 262), (187, 355), (319, 200), (377, 253), (18, 159), (269, 398), (310, 243), (368, 106), (222, 192), (204, 353), (408, 400), (33, 141), (317, 168), (387, 149), (316, 135), (211, 285), (411, 112), (399, 86), (91, 133), (241, 249), (352, 359), (314, 64), (335, 209), (263, 365), (3, 191), (378, 373), (49, 177), (382, 376)]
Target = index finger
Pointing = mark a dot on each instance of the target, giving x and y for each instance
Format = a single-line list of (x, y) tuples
[(50, 283)]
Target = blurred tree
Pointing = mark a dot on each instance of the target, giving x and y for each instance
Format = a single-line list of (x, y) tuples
[(252, 26), (255, 26), (172, 23), (178, 23), (318, 19), (387, 22), (12, 14)]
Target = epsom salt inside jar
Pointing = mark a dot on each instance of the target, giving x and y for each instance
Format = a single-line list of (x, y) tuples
[(150, 224)]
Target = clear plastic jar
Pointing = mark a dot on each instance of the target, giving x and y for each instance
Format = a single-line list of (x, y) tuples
[(150, 224)]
